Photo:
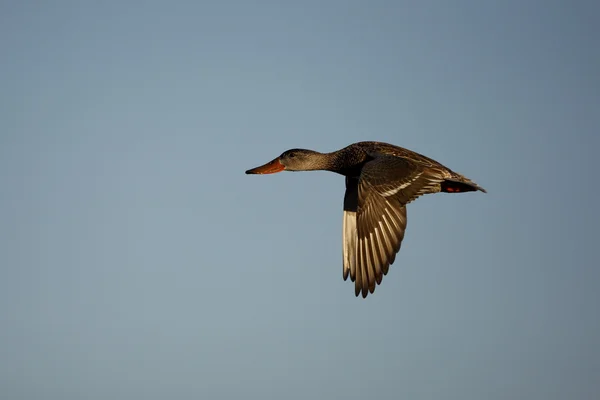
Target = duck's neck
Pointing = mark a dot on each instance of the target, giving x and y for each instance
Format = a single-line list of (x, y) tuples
[(320, 162), (345, 161)]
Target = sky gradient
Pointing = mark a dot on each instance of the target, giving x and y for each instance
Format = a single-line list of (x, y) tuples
[(137, 260)]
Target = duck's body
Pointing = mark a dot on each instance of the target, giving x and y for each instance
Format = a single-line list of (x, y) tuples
[(381, 179)]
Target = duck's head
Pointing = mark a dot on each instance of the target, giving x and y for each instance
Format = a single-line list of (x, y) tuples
[(291, 160)]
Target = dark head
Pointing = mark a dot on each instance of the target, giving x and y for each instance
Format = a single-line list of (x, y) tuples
[(292, 160)]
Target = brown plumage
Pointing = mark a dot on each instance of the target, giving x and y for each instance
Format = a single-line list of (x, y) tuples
[(381, 179)]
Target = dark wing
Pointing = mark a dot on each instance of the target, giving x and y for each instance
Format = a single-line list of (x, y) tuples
[(385, 186), (400, 179)]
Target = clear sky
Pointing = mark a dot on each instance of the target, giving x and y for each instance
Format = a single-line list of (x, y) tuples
[(138, 261)]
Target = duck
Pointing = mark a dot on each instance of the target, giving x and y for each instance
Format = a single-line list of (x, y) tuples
[(381, 179)]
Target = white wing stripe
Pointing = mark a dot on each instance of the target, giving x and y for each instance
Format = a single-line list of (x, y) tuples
[(393, 191)]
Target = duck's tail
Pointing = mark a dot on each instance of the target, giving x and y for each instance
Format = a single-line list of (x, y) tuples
[(459, 184)]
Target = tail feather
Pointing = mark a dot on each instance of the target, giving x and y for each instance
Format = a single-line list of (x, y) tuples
[(460, 184)]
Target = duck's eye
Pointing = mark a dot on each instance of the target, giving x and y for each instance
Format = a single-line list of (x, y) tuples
[(291, 155)]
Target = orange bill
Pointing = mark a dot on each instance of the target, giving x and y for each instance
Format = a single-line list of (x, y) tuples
[(269, 168)]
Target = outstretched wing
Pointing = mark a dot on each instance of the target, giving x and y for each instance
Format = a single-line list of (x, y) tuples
[(373, 230)]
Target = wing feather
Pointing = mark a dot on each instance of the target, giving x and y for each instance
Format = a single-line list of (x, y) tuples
[(375, 215)]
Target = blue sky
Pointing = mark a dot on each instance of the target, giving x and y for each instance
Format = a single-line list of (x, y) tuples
[(138, 261)]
